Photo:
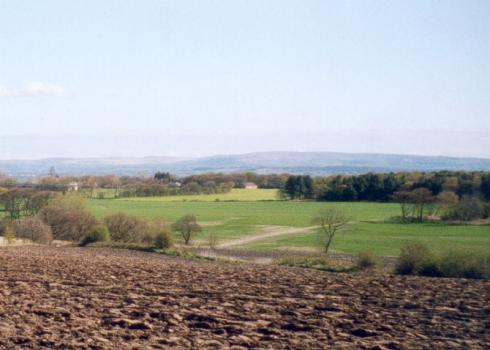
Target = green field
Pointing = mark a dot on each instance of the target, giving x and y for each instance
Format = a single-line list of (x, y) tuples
[(385, 239), (243, 213), (236, 194)]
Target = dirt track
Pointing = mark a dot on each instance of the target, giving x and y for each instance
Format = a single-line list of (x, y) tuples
[(265, 233), (104, 299)]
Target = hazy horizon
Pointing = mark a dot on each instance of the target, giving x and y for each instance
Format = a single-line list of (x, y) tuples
[(31, 147), (198, 78)]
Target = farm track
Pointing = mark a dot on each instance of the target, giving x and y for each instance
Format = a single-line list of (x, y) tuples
[(266, 233), (74, 298)]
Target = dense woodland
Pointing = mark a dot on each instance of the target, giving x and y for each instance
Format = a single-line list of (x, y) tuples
[(381, 187)]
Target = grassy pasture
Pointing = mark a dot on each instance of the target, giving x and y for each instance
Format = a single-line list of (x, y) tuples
[(385, 239), (236, 194), (246, 213)]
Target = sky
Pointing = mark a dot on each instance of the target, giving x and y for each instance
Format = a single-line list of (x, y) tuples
[(86, 78)]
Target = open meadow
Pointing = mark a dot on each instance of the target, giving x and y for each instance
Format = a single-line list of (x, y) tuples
[(256, 220)]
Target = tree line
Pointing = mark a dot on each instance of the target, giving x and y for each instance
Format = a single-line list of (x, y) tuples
[(161, 184), (381, 187), (448, 195)]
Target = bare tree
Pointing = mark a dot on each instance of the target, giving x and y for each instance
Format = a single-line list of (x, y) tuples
[(405, 199), (212, 240), (422, 197), (187, 226), (330, 221)]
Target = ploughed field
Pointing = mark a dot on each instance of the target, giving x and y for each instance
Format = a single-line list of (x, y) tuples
[(106, 299)]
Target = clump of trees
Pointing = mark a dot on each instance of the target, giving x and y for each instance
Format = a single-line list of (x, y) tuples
[(447, 195), (33, 229), (161, 184), (42, 216), (299, 187), (467, 209), (417, 204), (68, 217), (18, 203), (381, 186)]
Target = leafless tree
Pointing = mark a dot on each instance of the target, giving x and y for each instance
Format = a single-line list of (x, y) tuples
[(330, 221), (212, 240)]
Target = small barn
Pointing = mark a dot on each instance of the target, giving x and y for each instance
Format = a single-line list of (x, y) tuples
[(250, 186)]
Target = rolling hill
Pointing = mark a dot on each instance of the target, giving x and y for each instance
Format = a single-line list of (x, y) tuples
[(314, 163)]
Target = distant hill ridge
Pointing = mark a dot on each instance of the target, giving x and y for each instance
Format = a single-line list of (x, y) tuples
[(314, 163)]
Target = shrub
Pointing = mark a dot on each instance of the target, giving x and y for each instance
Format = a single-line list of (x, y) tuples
[(416, 259), (8, 234), (68, 223), (430, 267), (128, 229), (460, 263), (468, 208), (99, 233), (367, 260), (4, 223), (412, 255), (34, 229), (163, 239)]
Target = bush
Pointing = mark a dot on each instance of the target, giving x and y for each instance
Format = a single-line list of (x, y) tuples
[(163, 239), (460, 263), (468, 208), (34, 229), (68, 223), (412, 256), (367, 260), (128, 229), (100, 233), (430, 267), (8, 234), (4, 223), (416, 259)]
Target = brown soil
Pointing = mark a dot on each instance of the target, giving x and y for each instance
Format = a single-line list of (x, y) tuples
[(75, 298)]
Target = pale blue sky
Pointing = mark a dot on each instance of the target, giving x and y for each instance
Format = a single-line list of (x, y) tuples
[(152, 77)]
